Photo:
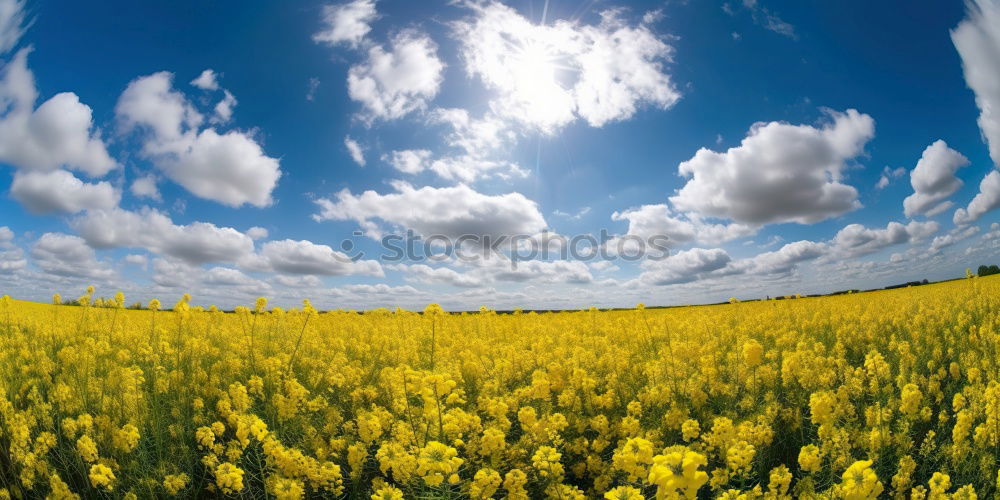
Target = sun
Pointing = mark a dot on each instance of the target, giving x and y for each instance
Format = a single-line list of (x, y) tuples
[(536, 89)]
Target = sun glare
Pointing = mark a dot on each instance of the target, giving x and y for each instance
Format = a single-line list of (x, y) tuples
[(535, 71)]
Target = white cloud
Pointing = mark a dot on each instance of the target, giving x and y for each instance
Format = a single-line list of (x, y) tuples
[(763, 17), (988, 199), (224, 276), (779, 173), (11, 257), (311, 89), (145, 187), (855, 240), (137, 260), (257, 233), (175, 274), (977, 39), (151, 102), (658, 220), (546, 76), (68, 256), (306, 281), (230, 168), (888, 174), (59, 192), (224, 108), (468, 169), (450, 211), (355, 150), (474, 136), (391, 84), (191, 245), (993, 234), (684, 266), (57, 134), (500, 269), (409, 161), (934, 180), (207, 80), (472, 143), (195, 243), (947, 240), (306, 257), (13, 23), (787, 257), (346, 23), (558, 271), (12, 260), (422, 273), (574, 216)]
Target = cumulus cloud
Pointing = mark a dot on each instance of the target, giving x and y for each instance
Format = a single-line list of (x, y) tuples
[(500, 269), (306, 281), (778, 262), (409, 161), (476, 144), (463, 168), (346, 23), (422, 273), (658, 220), (12, 260), (888, 174), (393, 83), (13, 23), (450, 211), (855, 240), (60, 192), (137, 260), (779, 173), (224, 108), (306, 257), (993, 234), (977, 39), (189, 246), (11, 257), (59, 133), (195, 243), (468, 169), (683, 267), (257, 233), (355, 150), (476, 137), (230, 168), (145, 187), (546, 76), (206, 80), (67, 256), (988, 199), (953, 237), (934, 180), (225, 276)]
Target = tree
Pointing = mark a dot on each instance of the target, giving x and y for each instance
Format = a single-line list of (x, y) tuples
[(988, 270)]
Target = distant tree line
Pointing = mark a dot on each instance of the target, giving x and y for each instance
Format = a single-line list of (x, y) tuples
[(988, 270)]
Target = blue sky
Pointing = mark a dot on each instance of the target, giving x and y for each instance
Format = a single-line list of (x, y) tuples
[(783, 147)]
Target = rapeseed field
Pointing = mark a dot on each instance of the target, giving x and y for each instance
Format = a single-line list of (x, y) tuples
[(890, 394)]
